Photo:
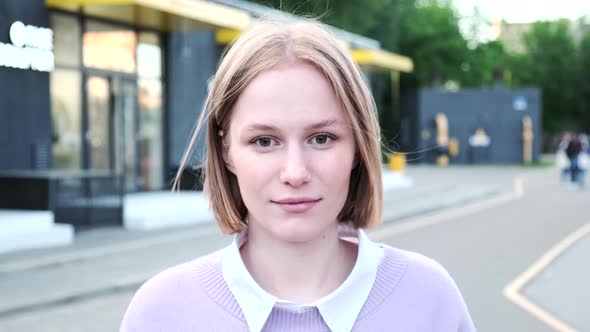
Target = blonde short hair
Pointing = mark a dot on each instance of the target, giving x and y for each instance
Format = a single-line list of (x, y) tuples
[(260, 49)]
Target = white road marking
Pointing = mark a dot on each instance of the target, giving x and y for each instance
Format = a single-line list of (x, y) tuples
[(511, 291)]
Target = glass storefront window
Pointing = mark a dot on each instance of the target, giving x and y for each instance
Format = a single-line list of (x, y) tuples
[(149, 56), (66, 118), (149, 71), (124, 129), (100, 133), (109, 47), (66, 40), (150, 133)]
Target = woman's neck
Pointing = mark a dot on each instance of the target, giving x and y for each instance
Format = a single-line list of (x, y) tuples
[(299, 272)]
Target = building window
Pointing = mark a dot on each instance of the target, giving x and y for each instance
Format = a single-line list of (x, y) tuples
[(109, 47), (124, 100), (66, 118), (66, 40), (149, 71), (65, 90)]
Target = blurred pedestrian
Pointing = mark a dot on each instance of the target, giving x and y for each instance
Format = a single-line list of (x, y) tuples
[(561, 157), (573, 150), (293, 169)]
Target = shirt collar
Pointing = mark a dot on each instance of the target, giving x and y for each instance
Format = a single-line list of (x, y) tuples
[(339, 309)]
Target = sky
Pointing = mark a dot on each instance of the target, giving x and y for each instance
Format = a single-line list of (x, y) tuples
[(521, 11)]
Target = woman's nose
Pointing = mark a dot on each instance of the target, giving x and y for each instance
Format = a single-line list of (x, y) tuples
[(295, 170)]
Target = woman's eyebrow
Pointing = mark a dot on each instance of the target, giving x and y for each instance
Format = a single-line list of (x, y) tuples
[(261, 127), (321, 124), (309, 127)]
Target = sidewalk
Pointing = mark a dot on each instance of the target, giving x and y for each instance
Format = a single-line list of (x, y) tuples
[(107, 262)]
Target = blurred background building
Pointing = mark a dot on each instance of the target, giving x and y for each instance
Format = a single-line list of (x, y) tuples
[(98, 98), (512, 34)]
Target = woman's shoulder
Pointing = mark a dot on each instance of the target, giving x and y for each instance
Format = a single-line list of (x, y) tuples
[(411, 286), (167, 295), (417, 270), (179, 277), (426, 280), (413, 263)]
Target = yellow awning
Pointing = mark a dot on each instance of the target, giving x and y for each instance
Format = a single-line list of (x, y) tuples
[(383, 59), (226, 36), (165, 15)]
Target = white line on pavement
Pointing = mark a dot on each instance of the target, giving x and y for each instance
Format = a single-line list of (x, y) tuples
[(511, 291)]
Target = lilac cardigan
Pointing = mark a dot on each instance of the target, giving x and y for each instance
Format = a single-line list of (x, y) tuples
[(411, 293)]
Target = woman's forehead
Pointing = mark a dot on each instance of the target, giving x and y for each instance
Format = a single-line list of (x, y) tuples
[(292, 93), (295, 78)]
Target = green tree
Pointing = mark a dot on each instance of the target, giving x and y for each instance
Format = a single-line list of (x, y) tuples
[(583, 82), (550, 63), (344, 14), (482, 63), (430, 35)]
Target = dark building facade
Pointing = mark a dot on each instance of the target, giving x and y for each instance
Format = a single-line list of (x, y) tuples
[(111, 115), (25, 126), (488, 124)]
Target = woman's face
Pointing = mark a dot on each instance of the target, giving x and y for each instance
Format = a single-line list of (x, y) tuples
[(292, 150)]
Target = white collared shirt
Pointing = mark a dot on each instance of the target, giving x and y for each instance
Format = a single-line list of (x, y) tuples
[(338, 309)]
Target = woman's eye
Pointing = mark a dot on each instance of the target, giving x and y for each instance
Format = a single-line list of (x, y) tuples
[(321, 139), (263, 141)]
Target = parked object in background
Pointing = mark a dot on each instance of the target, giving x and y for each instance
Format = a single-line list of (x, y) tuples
[(527, 139), (446, 147), (442, 139), (479, 147)]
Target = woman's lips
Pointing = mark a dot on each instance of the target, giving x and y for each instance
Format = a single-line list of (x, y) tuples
[(294, 205)]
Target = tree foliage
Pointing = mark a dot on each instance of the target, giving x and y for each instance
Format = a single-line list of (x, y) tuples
[(550, 62), (344, 14), (582, 81), (484, 64), (430, 35)]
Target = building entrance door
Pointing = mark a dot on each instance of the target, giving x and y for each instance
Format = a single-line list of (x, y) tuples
[(111, 134)]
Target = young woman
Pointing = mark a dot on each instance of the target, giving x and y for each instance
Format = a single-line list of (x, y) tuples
[(294, 169)]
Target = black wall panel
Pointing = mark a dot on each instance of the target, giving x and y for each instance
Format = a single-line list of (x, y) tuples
[(192, 60), (25, 116)]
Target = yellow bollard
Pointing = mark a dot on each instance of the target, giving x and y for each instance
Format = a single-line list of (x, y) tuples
[(442, 161), (442, 138), (454, 147), (397, 162)]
